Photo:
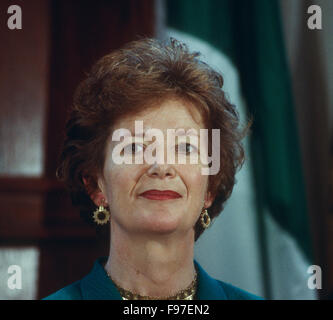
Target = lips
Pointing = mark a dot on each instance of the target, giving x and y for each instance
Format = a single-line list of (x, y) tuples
[(160, 195)]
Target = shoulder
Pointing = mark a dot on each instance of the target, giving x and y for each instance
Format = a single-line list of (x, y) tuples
[(70, 292), (234, 293)]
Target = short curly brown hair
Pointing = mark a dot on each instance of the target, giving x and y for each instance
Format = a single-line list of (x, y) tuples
[(125, 82)]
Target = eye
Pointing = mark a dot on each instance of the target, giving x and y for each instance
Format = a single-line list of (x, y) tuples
[(186, 148), (133, 148)]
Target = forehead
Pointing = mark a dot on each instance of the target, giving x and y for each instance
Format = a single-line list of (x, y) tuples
[(170, 114)]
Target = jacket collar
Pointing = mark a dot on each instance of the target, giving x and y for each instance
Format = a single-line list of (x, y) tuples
[(208, 287), (98, 286)]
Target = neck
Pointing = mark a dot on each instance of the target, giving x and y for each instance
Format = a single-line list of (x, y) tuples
[(155, 266)]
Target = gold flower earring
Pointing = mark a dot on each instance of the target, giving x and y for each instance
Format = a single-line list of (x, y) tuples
[(102, 214), (205, 218)]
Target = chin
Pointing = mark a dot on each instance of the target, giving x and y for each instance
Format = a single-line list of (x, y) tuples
[(161, 226)]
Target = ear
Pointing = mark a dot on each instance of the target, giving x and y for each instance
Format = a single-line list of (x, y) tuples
[(208, 200), (96, 195)]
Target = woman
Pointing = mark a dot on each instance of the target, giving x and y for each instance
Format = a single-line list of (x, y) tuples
[(156, 208)]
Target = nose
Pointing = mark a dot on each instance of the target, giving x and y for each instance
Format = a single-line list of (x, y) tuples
[(161, 171)]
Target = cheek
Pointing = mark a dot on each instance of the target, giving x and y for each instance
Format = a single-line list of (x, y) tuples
[(195, 181), (119, 180)]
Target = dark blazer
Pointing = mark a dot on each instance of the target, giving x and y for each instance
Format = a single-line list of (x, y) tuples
[(98, 286)]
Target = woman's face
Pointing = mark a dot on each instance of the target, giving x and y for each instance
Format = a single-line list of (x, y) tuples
[(122, 184)]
